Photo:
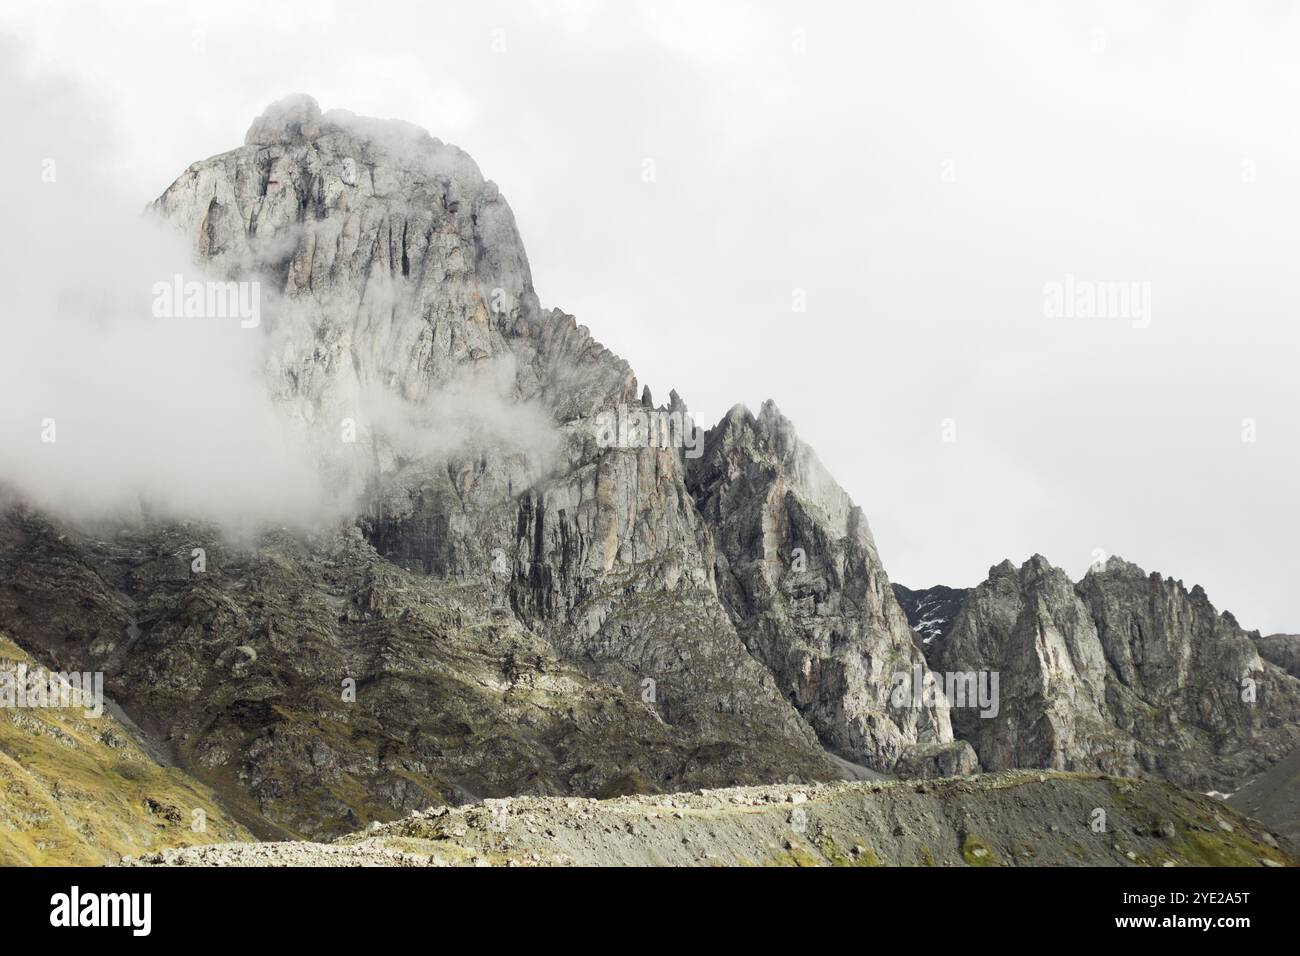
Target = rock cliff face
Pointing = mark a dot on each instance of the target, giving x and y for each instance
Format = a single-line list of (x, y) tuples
[(403, 276), (1282, 650), (1123, 672), (1186, 680), (509, 596), (1030, 628), (524, 605), (408, 303), (798, 571)]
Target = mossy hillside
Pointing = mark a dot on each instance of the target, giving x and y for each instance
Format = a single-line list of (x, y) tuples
[(977, 853), (240, 669), (82, 792)]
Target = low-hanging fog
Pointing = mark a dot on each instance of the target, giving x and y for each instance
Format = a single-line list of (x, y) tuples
[(114, 411), (854, 210)]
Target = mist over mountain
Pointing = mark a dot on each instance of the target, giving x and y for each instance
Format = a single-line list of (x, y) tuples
[(357, 540), (948, 212), (112, 412)]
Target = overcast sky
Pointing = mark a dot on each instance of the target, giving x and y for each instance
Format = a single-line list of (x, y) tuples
[(914, 174)]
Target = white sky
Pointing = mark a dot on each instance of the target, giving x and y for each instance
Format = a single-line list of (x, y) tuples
[(919, 170)]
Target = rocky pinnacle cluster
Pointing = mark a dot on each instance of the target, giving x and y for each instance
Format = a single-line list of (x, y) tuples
[(513, 597)]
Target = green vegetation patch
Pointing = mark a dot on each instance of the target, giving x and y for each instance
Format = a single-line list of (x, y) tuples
[(977, 853)]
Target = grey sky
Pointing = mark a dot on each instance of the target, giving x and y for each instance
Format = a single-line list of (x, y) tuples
[(919, 171)]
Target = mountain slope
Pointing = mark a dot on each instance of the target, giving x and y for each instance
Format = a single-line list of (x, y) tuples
[(1282, 650), (529, 609), (1124, 672), (1014, 819), (240, 671), (1273, 796), (799, 573), (80, 790), (504, 596)]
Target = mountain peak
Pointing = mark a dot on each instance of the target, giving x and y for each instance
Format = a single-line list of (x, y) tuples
[(288, 120), (1115, 565)]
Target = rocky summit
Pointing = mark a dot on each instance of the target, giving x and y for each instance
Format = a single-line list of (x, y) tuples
[(1122, 672), (798, 571), (531, 583), (514, 602)]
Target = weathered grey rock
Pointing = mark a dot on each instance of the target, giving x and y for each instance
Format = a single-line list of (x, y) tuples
[(529, 610), (400, 288), (392, 275), (955, 759), (293, 119), (408, 306), (1030, 627), (1282, 650), (1186, 681), (799, 573), (1126, 672)]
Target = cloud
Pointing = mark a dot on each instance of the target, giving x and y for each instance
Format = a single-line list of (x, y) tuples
[(108, 408), (474, 411), (1098, 140), (120, 403)]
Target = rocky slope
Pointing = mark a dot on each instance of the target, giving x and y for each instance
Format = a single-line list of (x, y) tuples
[(1273, 796), (931, 612), (524, 606), (1124, 672), (504, 596), (1014, 819), (239, 673), (79, 790), (1282, 650), (797, 569)]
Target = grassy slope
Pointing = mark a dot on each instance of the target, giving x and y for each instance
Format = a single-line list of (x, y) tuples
[(82, 792)]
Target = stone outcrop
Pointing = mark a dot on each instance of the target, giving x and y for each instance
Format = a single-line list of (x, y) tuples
[(798, 571), (1029, 627), (1124, 672), (1186, 680), (1282, 650), (532, 608)]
